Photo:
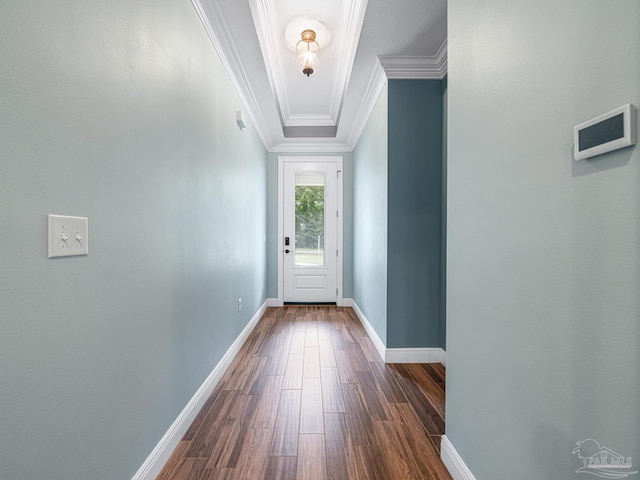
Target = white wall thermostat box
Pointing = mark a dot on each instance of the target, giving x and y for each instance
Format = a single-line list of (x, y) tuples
[(605, 133)]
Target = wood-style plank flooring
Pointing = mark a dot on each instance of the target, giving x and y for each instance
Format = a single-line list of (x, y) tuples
[(308, 397)]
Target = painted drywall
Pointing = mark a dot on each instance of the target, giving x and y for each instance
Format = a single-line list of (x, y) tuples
[(543, 252), (370, 214), (122, 112), (414, 213), (272, 220)]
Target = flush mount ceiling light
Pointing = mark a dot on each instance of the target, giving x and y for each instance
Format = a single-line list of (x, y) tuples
[(307, 51)]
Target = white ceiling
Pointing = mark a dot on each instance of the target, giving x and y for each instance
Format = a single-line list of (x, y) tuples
[(367, 42)]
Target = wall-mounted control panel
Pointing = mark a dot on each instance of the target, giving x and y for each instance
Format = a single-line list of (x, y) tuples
[(605, 133), (68, 236)]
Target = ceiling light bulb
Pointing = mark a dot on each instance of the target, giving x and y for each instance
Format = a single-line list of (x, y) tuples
[(307, 63)]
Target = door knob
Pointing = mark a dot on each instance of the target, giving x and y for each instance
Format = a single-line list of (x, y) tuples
[(286, 251)]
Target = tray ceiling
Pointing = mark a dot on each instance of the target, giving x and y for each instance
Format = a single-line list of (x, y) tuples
[(326, 111)]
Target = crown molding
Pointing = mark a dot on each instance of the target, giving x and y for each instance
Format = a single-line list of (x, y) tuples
[(299, 120), (310, 148), (221, 38), (351, 21), (265, 19), (396, 67), (371, 94), (403, 67)]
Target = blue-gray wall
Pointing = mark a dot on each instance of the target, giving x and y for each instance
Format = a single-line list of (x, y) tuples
[(370, 212), (543, 252), (122, 112), (414, 214), (272, 220), (443, 225)]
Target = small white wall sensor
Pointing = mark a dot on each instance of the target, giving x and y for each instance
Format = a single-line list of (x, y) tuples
[(240, 120)]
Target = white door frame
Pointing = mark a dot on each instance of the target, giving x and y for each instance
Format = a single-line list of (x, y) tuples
[(280, 246)]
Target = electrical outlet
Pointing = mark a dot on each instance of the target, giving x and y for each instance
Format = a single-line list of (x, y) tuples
[(240, 304), (68, 236)]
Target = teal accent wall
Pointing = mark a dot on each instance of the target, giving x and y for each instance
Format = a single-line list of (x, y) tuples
[(414, 214), (272, 220), (543, 251), (370, 217), (122, 112), (443, 224)]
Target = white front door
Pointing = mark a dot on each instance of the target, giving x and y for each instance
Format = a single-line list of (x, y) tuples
[(309, 238)]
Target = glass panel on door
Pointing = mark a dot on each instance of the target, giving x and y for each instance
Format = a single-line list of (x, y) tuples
[(309, 220)]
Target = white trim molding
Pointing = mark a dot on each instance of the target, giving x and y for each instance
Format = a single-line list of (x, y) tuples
[(273, 302), (222, 41), (269, 32), (415, 355), (377, 341), (265, 20), (311, 147), (167, 444), (453, 461), (346, 302), (396, 355), (394, 67), (300, 120), (371, 94), (400, 67), (351, 21), (339, 161)]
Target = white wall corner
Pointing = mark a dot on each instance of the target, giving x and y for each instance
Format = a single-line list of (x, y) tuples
[(377, 342), (415, 355), (152, 466), (371, 95), (453, 461)]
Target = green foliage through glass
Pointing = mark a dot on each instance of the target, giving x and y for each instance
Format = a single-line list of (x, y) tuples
[(310, 224)]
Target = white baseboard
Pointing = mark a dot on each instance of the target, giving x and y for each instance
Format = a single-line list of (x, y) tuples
[(167, 444), (453, 461), (377, 342), (345, 302), (397, 355), (415, 355)]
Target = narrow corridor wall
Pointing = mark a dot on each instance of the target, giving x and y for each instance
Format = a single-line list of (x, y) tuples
[(543, 251), (121, 112)]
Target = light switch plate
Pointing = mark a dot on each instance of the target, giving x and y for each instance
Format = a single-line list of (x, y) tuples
[(68, 236)]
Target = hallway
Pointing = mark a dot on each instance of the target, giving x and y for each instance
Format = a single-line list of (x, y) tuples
[(308, 397)]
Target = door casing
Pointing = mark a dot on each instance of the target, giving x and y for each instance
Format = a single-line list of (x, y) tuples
[(338, 160)]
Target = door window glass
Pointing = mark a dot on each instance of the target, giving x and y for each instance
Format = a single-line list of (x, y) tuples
[(309, 244)]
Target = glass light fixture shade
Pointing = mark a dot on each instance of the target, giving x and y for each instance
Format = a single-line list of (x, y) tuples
[(307, 51), (307, 63)]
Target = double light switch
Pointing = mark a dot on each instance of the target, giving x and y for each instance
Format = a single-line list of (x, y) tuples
[(68, 236)]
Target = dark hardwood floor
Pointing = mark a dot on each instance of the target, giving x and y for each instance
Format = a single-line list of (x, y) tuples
[(308, 397)]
